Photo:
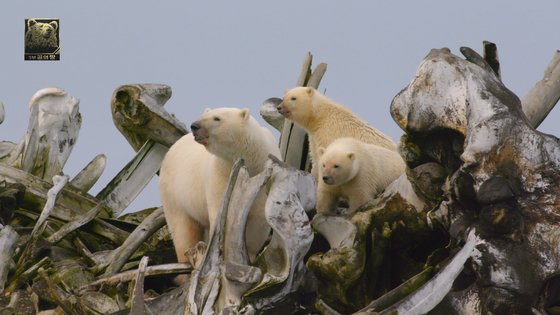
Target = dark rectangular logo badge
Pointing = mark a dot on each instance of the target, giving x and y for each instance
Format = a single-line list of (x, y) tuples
[(42, 39)]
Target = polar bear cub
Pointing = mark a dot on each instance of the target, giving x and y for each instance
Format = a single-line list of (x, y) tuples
[(354, 171)]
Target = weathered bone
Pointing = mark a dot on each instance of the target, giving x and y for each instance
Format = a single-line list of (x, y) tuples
[(139, 115), (129, 275), (8, 239), (89, 175), (70, 204), (491, 57), (291, 194), (518, 218), (203, 278), (397, 294), (270, 114), (243, 197), (138, 293), (152, 223), (132, 179), (59, 182), (52, 132), (10, 153), (22, 276), (75, 224), (542, 98), (430, 294), (225, 267)]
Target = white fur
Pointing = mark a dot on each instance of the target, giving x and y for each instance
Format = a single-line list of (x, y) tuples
[(356, 171), (193, 177), (325, 121)]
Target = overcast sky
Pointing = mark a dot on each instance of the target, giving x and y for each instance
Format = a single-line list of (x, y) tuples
[(239, 53)]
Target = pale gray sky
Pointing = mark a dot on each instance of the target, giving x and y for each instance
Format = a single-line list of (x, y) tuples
[(239, 53)]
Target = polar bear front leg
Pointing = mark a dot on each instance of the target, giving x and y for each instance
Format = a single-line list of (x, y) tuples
[(186, 233), (356, 199), (327, 200)]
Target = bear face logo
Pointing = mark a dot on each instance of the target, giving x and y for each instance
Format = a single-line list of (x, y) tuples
[(42, 39)]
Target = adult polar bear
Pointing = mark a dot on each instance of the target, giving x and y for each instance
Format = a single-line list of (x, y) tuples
[(195, 171), (326, 121)]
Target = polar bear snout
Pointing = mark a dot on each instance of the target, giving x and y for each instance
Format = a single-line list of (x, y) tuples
[(283, 110), (195, 126), (329, 180), (200, 134)]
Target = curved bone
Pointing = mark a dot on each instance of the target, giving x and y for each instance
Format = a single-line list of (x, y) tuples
[(518, 250), (139, 115), (430, 294), (270, 114), (225, 281), (542, 98), (291, 194), (89, 175)]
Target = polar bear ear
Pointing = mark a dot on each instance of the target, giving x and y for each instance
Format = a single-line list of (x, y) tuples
[(54, 25), (309, 91), (351, 156), (207, 109), (245, 113), (31, 22), (321, 151)]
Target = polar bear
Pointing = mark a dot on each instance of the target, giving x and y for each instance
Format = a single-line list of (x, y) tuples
[(325, 121), (355, 171), (195, 172), (41, 35)]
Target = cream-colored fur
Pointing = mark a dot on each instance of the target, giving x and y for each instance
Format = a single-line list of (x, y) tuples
[(325, 121), (194, 175), (354, 171)]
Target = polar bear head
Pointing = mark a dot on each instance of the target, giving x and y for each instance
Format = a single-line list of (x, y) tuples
[(224, 131), (297, 104), (337, 165)]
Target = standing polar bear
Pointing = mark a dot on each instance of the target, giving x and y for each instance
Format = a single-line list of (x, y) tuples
[(325, 121), (195, 171), (354, 171)]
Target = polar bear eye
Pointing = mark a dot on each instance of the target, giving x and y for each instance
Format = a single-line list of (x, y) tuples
[(335, 166), (216, 118), (293, 98)]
